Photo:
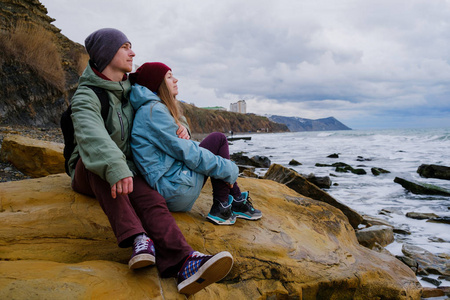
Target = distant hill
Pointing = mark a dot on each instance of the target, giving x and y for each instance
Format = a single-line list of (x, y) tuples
[(205, 121), (301, 124)]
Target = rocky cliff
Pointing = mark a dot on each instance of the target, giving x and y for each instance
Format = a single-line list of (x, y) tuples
[(206, 121), (301, 124), (39, 67)]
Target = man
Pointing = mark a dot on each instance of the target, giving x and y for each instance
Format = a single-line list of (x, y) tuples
[(102, 166)]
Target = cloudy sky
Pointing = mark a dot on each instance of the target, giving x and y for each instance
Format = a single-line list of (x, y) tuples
[(370, 64)]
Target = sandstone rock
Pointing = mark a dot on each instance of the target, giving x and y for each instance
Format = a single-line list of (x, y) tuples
[(33, 157), (434, 171), (249, 173), (421, 188), (57, 244), (432, 293), (431, 263), (381, 234), (301, 185)]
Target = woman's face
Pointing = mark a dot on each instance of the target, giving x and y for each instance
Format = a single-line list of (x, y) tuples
[(171, 83)]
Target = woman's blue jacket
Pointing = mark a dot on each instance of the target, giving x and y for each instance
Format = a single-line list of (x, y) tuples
[(175, 167)]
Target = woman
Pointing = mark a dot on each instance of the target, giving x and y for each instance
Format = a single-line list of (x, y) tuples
[(178, 167)]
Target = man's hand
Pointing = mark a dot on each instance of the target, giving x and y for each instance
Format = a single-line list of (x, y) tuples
[(182, 132), (122, 187)]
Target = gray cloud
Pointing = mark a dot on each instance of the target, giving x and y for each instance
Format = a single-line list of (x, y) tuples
[(360, 61)]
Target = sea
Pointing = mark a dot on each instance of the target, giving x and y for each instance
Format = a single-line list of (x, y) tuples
[(399, 151)]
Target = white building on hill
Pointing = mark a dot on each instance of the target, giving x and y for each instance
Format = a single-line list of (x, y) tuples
[(239, 107)]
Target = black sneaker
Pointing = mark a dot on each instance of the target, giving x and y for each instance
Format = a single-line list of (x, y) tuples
[(221, 214), (243, 208)]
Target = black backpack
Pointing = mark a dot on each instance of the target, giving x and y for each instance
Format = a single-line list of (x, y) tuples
[(67, 124)]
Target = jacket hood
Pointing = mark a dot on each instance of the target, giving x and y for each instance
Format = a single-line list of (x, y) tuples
[(141, 95)]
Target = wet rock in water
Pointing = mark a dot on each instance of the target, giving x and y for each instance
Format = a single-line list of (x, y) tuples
[(360, 158), (261, 161), (421, 188), (421, 216), (409, 262), (255, 161), (334, 155), (381, 234), (403, 231), (444, 220), (351, 169), (293, 162), (434, 171), (432, 281), (378, 171), (343, 168), (431, 263), (324, 182)]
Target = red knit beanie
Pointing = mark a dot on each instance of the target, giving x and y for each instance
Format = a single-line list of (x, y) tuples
[(150, 75)]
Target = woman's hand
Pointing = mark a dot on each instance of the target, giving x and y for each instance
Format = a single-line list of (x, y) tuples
[(122, 187), (182, 132)]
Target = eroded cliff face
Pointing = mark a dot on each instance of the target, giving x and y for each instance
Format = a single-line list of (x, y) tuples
[(207, 121), (57, 244), (39, 67)]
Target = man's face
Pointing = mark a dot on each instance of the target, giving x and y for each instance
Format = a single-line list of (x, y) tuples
[(123, 60)]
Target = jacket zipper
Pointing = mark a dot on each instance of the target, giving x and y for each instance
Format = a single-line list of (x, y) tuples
[(122, 130), (122, 133)]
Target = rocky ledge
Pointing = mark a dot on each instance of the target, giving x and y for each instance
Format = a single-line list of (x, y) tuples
[(57, 244)]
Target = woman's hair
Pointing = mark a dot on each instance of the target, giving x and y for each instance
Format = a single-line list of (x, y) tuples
[(169, 100)]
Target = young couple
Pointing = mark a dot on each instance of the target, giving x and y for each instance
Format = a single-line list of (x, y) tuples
[(172, 166)]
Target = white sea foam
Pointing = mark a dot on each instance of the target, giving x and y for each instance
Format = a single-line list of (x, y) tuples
[(399, 151)]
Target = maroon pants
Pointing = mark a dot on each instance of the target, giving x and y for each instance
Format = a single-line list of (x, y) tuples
[(143, 210), (217, 143)]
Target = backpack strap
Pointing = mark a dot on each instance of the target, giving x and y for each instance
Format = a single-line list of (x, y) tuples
[(67, 124), (104, 100)]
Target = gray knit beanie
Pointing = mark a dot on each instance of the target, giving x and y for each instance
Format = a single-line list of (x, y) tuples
[(103, 44)]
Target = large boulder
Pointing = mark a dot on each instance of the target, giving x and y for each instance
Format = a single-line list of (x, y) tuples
[(57, 244), (33, 157), (434, 171), (301, 185), (379, 234)]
